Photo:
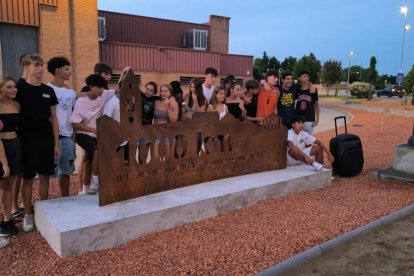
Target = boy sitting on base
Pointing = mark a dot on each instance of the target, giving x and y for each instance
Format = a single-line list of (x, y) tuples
[(300, 149)]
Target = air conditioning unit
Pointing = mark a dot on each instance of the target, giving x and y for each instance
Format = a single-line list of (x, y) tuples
[(101, 28), (196, 39)]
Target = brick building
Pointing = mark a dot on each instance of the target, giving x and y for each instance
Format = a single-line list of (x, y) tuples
[(157, 49)]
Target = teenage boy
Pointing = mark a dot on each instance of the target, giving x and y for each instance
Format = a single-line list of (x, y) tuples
[(39, 133), (87, 110), (286, 101), (85, 167), (102, 69), (250, 101), (60, 68), (307, 104), (208, 85), (300, 149), (268, 95)]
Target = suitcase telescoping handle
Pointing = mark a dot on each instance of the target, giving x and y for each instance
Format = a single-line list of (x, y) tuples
[(336, 128)]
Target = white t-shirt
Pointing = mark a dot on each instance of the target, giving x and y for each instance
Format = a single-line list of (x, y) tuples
[(67, 99), (300, 140), (111, 108), (88, 110), (208, 92)]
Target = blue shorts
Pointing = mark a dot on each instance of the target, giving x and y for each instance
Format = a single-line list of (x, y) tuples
[(65, 163), (143, 142), (165, 140)]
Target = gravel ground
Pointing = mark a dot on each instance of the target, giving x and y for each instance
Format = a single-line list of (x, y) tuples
[(249, 240), (385, 251)]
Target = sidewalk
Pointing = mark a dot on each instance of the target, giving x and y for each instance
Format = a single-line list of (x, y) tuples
[(358, 104)]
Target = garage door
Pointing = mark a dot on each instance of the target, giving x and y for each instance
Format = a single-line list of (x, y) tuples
[(16, 40)]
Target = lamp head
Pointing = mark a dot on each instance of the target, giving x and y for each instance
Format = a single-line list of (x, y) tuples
[(404, 10)]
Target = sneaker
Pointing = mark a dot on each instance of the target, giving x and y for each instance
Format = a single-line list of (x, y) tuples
[(93, 189), (28, 223), (8, 228), (3, 242), (317, 166), (18, 215)]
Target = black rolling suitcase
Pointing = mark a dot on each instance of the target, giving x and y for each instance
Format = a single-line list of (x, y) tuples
[(347, 150)]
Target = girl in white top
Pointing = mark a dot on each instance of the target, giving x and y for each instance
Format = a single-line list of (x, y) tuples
[(217, 102)]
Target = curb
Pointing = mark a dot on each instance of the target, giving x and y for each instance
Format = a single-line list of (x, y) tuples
[(320, 250)]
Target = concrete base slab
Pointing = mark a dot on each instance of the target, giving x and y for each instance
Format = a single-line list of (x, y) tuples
[(76, 225), (390, 173), (404, 159)]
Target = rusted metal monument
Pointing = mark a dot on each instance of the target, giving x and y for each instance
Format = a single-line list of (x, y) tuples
[(202, 149)]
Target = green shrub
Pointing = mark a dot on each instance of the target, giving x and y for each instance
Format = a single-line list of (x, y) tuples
[(361, 89)]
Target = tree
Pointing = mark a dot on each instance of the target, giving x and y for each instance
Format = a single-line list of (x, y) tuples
[(409, 84), (261, 65), (273, 64), (373, 75), (309, 63), (331, 74), (288, 63)]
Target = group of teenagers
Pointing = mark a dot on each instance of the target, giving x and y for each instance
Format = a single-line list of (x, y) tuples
[(40, 124)]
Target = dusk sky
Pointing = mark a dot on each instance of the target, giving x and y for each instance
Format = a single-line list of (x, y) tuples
[(328, 28)]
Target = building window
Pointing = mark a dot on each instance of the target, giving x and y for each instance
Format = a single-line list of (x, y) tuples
[(102, 28), (115, 78), (184, 80), (196, 39)]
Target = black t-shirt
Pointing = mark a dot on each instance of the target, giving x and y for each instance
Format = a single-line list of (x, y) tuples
[(234, 109), (148, 107), (305, 105), (251, 107), (286, 104), (35, 103)]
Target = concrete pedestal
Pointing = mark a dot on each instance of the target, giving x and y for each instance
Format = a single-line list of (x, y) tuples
[(404, 159), (77, 224)]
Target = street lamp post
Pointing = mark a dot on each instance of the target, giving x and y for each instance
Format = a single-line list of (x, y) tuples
[(404, 10), (349, 70)]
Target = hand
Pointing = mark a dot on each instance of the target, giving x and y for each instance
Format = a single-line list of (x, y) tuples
[(314, 124), (247, 100), (259, 120), (166, 102), (241, 105), (57, 151), (309, 160), (6, 171)]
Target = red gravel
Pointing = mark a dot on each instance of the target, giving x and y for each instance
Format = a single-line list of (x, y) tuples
[(391, 104), (249, 240)]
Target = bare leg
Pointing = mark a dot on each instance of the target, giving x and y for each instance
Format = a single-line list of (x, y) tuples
[(297, 156), (27, 188), (95, 163), (81, 174), (167, 150), (64, 181), (6, 196), (87, 173), (318, 153), (17, 184), (156, 150), (43, 186)]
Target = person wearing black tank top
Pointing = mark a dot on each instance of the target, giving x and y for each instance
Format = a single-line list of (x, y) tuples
[(11, 164), (233, 101)]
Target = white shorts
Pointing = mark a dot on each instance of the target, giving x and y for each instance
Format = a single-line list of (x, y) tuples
[(292, 162)]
